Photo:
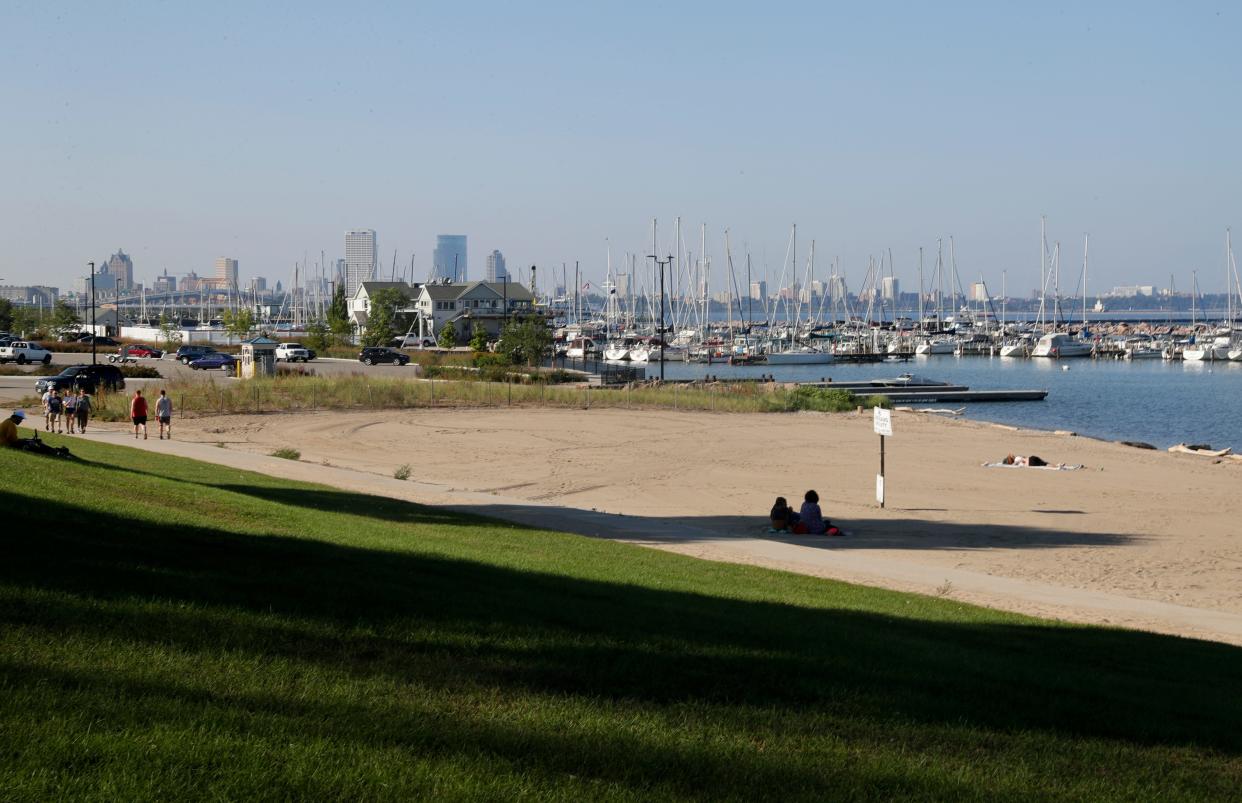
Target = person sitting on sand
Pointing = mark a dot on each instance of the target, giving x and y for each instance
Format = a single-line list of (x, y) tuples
[(782, 516), (811, 517)]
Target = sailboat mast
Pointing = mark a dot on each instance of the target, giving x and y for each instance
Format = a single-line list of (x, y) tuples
[(1084, 281)]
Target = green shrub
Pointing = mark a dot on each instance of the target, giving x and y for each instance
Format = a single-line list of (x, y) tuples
[(402, 472), (287, 453)]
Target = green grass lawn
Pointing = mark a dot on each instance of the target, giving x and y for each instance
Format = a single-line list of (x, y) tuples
[(176, 630)]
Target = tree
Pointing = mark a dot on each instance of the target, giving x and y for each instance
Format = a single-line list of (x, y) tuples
[(526, 340), (238, 323), (478, 340), (448, 336), (318, 336), (338, 317), (6, 315), (27, 321), (170, 336), (64, 317), (382, 315)]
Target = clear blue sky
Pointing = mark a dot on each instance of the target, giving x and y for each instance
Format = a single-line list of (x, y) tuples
[(262, 131)]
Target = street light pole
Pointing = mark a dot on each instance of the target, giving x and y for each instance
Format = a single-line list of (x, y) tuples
[(92, 267)]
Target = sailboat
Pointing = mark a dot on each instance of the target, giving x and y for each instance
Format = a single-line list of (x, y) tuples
[(1060, 345)]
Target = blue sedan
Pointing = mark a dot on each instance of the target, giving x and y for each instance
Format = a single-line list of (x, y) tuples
[(225, 362)]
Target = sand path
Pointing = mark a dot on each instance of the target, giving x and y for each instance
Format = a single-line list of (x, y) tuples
[(1139, 539)]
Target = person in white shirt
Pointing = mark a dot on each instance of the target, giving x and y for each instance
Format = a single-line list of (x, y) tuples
[(163, 413)]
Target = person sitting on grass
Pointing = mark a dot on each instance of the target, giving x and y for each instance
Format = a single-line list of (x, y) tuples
[(782, 516), (8, 437)]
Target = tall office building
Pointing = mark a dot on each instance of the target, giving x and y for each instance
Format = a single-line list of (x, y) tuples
[(759, 290), (122, 267), (496, 271), (361, 257), (226, 272), (449, 260), (890, 288)]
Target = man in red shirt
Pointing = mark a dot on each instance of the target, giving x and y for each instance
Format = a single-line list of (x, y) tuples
[(138, 413)]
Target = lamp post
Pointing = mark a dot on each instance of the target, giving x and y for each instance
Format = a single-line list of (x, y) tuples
[(506, 302), (660, 331), (91, 265)]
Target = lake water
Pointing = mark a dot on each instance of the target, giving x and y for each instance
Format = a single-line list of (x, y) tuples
[(1162, 403)]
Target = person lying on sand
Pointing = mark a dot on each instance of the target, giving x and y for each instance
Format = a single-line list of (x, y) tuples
[(1033, 461)]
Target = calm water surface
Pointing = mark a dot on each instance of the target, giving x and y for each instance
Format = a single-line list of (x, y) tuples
[(1162, 403)]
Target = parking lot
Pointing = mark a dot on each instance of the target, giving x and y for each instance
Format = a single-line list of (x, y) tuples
[(16, 387)]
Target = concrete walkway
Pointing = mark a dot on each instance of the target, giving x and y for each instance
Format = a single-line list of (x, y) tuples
[(801, 554)]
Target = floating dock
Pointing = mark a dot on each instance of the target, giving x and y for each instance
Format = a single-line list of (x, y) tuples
[(938, 395)]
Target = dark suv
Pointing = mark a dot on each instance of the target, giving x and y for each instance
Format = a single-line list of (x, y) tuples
[(188, 354), (83, 377), (373, 354)]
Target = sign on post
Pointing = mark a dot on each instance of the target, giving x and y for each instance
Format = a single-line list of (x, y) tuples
[(883, 423)]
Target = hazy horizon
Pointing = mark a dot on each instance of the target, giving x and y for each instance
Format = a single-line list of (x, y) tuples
[(553, 133)]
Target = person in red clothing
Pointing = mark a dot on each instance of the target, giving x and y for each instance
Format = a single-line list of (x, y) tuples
[(138, 413)]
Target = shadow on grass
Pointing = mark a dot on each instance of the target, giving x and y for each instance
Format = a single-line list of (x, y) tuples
[(442, 621)]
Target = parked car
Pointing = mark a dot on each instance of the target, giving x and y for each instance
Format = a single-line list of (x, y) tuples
[(24, 351), (134, 352), (100, 340), (224, 362), (84, 377), (412, 342), (376, 354), (187, 354), (292, 352)]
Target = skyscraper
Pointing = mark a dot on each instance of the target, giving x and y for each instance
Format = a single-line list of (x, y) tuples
[(496, 271), (890, 288), (122, 267), (226, 272), (361, 256), (449, 260)]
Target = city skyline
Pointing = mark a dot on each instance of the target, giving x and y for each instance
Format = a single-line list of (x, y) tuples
[(550, 151)]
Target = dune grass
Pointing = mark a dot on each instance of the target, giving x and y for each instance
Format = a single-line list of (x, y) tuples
[(292, 392), (176, 630)]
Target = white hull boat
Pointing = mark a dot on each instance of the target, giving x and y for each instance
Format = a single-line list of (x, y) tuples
[(936, 347), (1060, 346), (614, 353)]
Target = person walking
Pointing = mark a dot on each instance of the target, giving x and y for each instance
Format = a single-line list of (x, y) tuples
[(55, 406), (71, 407), (163, 413), (46, 398), (83, 410), (138, 414)]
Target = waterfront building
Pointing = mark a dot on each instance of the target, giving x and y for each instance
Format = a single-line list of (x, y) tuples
[(165, 283), (449, 259), (890, 288), (122, 267), (226, 272), (361, 257), (496, 271), (35, 295), (759, 290), (465, 303)]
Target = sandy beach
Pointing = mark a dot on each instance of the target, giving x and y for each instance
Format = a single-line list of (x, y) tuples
[(1136, 538)]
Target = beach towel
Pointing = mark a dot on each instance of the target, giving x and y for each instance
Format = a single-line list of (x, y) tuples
[(1053, 467)]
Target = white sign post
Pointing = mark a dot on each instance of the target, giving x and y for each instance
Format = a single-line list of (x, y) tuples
[(883, 426)]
